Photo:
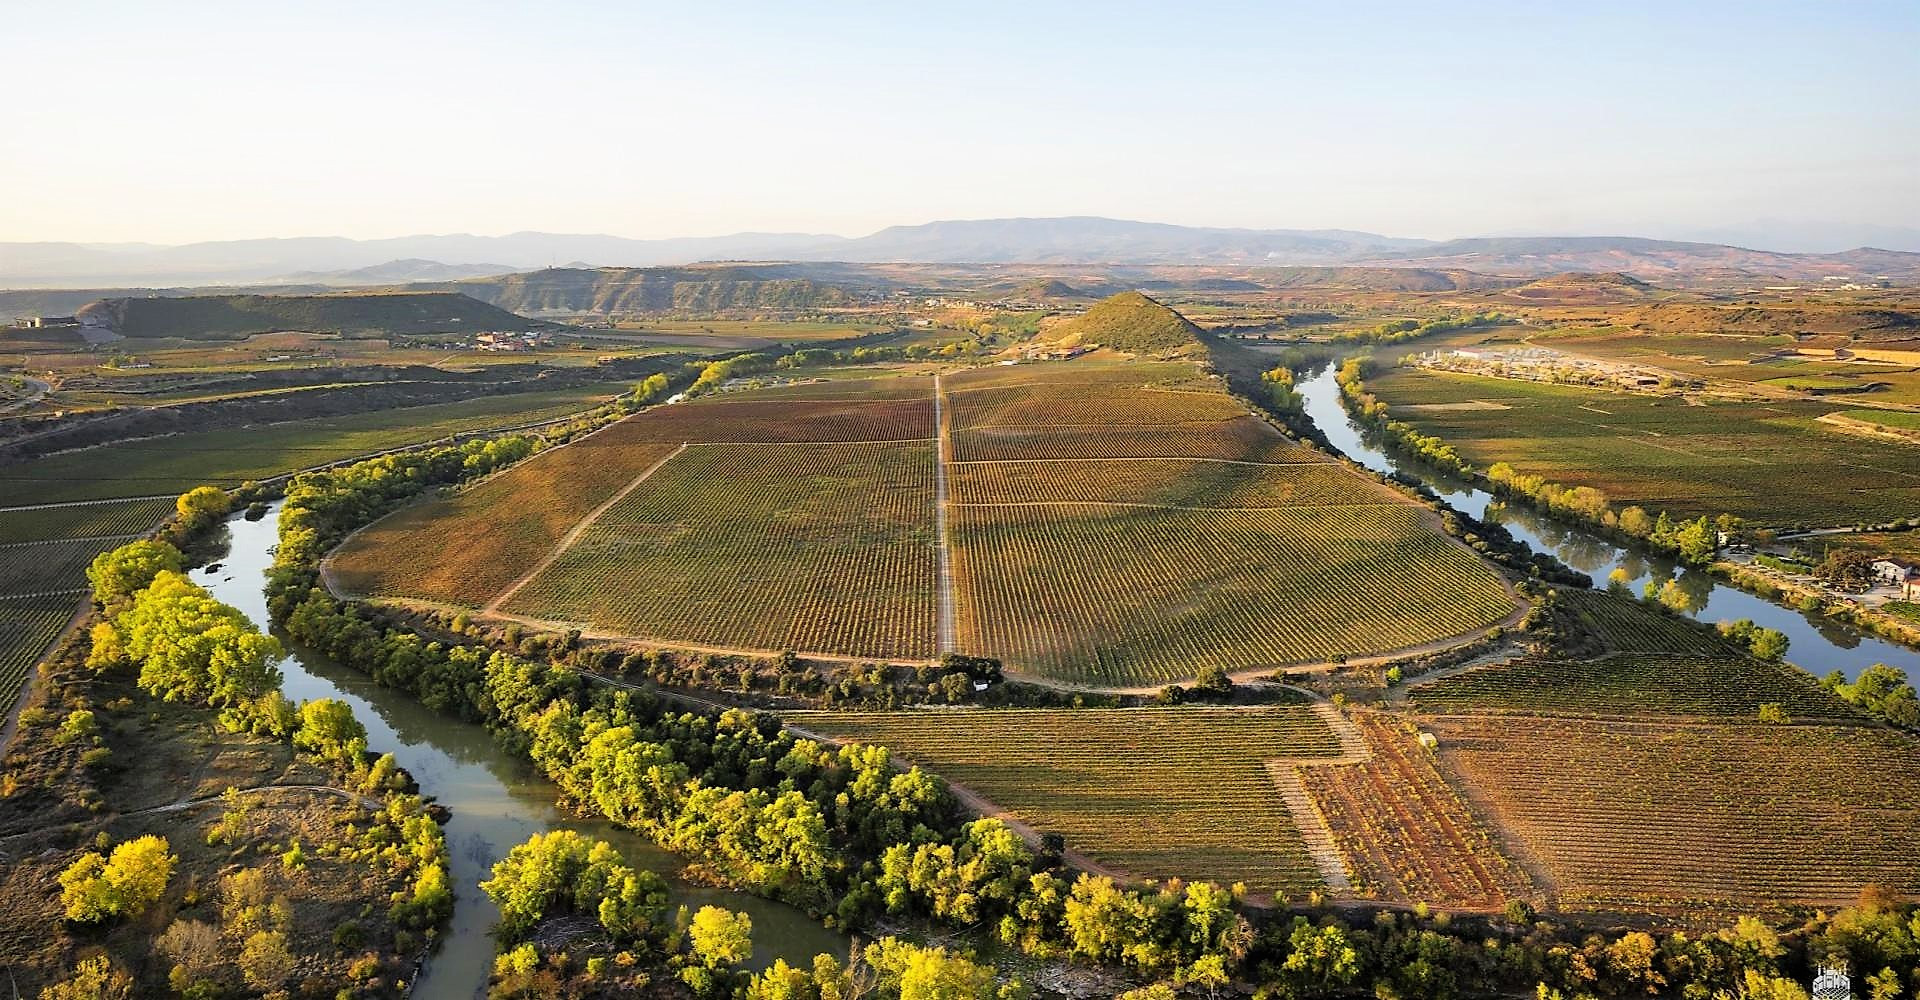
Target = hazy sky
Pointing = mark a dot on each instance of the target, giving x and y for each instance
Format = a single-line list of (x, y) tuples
[(172, 122)]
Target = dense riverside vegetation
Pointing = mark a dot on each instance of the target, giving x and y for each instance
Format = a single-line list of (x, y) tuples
[(225, 892), (1695, 541), (1396, 331), (845, 834)]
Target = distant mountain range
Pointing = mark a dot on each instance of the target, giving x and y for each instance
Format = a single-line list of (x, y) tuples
[(1075, 240)]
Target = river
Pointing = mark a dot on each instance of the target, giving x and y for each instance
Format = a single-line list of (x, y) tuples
[(1817, 643), (496, 799)]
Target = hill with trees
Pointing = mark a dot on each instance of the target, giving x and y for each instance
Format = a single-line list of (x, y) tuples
[(1131, 322)]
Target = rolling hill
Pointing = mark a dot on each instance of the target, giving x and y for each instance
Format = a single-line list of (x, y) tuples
[(1130, 322), (352, 314)]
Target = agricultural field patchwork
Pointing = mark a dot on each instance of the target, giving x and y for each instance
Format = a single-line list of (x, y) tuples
[(820, 548), (468, 549), (1770, 463), (804, 516), (1130, 596), (1633, 685), (1155, 793), (1685, 818), (172, 464), (1403, 831)]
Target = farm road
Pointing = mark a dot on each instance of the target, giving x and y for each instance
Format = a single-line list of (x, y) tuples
[(572, 536)]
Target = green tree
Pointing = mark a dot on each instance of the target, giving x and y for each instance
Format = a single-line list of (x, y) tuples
[(1320, 959), (329, 730), (913, 972), (125, 883), (200, 507), (118, 574), (720, 937), (95, 978)]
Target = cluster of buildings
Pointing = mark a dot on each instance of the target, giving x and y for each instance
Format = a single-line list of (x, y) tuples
[(1538, 364), (1895, 572), (496, 340)]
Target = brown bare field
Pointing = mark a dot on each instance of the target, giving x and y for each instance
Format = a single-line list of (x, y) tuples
[(1677, 818), (1403, 831)]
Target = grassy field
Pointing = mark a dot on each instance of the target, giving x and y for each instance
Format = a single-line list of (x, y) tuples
[(1902, 419), (176, 463), (1156, 793), (821, 548), (1770, 463), (1683, 819)]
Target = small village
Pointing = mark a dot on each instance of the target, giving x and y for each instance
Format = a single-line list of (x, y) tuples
[(1540, 364)]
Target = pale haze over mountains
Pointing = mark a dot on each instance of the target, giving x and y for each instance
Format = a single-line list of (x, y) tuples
[(1792, 251)]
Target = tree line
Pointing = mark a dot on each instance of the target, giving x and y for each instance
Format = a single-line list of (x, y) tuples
[(844, 833)]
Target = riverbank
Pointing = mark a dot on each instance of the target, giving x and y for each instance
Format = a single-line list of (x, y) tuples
[(496, 799), (1819, 643)]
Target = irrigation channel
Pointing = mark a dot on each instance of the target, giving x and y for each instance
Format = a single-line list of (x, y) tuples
[(496, 798), (1817, 643)]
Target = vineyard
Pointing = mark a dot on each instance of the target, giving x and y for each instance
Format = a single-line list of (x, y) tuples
[(1621, 623), (1404, 833), (817, 548), (1156, 793), (49, 567), (1679, 818), (92, 520), (1071, 403), (1168, 482), (1633, 685), (1131, 596), (27, 626), (742, 418), (1091, 507), (469, 548), (1243, 439), (1771, 462), (175, 463)]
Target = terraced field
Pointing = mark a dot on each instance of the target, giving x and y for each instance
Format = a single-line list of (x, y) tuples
[(1687, 819), (1156, 793), (1770, 463)]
